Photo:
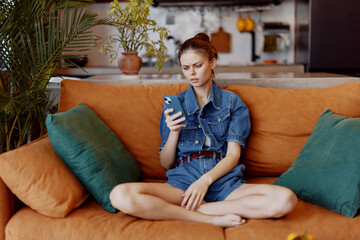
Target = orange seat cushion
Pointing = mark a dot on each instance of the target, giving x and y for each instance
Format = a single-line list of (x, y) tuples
[(305, 218)]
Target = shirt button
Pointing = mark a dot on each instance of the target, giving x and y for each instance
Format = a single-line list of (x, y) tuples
[(196, 141), (199, 126)]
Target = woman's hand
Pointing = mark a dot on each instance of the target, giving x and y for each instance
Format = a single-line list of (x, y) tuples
[(168, 153), (195, 194), (172, 121)]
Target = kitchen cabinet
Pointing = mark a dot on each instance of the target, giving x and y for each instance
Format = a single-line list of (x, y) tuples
[(328, 35)]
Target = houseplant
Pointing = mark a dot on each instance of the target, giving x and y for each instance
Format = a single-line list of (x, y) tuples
[(133, 25), (33, 40)]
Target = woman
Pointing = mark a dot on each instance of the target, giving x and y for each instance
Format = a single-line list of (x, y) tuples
[(205, 182)]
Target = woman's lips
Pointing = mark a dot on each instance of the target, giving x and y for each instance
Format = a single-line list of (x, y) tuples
[(194, 79)]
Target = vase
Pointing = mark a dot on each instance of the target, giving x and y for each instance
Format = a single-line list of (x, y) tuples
[(130, 63)]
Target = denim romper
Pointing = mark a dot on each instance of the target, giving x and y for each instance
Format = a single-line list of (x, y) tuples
[(224, 118)]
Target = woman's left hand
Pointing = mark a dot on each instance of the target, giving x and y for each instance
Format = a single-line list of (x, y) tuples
[(195, 194)]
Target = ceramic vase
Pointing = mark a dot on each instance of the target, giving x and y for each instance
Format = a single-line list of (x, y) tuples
[(130, 63)]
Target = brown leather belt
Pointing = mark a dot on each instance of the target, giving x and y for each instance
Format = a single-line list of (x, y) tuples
[(198, 155)]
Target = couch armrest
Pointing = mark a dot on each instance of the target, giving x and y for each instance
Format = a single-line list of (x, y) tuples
[(7, 207)]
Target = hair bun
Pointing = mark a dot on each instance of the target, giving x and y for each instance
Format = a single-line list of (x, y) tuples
[(202, 36)]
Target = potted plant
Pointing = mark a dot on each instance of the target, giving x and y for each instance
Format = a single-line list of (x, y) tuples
[(34, 34), (133, 25)]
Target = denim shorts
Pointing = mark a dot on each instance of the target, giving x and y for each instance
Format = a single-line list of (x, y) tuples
[(188, 172)]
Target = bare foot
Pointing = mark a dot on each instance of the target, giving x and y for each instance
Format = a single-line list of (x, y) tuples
[(229, 220)]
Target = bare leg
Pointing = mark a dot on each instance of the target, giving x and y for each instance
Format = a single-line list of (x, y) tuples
[(254, 201), (158, 201)]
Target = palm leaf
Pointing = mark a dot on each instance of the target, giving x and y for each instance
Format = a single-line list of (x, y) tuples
[(33, 36)]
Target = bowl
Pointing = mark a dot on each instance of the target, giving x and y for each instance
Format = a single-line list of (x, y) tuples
[(80, 61)]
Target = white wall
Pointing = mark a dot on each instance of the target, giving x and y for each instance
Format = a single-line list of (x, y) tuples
[(187, 24)]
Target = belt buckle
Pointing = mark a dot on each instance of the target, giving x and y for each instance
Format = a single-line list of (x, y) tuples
[(182, 160)]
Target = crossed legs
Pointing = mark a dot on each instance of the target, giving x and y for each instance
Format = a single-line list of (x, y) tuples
[(158, 201), (254, 201)]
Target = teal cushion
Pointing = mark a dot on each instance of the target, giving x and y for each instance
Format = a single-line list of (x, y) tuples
[(327, 171), (91, 151)]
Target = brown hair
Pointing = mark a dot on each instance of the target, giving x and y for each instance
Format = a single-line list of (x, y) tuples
[(200, 43)]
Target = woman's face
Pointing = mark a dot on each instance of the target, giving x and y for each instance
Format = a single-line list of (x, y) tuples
[(196, 68)]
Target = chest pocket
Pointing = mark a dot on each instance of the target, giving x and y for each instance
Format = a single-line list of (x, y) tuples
[(219, 123), (188, 134)]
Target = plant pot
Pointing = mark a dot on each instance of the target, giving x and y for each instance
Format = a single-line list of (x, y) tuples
[(130, 63)]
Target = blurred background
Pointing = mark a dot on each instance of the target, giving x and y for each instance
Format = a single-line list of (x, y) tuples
[(323, 35)]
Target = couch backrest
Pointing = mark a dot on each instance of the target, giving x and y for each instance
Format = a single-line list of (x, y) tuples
[(282, 119), (132, 112)]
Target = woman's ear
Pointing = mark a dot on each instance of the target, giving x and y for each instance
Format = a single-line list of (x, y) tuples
[(213, 63)]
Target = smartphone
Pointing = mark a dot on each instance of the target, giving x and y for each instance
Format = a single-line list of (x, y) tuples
[(172, 101)]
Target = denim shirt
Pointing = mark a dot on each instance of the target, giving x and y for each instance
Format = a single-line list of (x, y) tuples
[(224, 118)]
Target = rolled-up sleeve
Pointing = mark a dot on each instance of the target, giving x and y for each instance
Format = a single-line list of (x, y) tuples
[(239, 127)]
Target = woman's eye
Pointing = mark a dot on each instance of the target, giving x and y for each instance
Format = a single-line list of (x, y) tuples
[(198, 66), (185, 68)]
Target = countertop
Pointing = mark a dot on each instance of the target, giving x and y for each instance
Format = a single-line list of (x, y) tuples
[(262, 79), (92, 71)]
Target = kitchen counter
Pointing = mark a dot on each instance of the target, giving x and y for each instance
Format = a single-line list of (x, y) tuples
[(260, 79), (92, 71), (268, 79)]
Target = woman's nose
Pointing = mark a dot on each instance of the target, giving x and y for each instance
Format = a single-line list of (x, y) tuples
[(193, 71)]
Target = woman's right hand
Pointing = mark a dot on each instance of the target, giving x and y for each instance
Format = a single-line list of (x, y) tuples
[(173, 121), (168, 153)]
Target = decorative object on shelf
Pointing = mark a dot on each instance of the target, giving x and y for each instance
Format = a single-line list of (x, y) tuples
[(130, 63), (269, 43), (250, 24), (221, 40), (32, 42), (277, 38), (134, 26), (241, 24), (247, 26), (78, 61)]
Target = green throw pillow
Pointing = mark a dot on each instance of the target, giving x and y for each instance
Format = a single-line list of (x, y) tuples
[(91, 151), (327, 171)]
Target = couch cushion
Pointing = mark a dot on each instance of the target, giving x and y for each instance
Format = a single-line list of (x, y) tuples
[(90, 221), (305, 218), (283, 119), (91, 151), (38, 177), (327, 171), (132, 112)]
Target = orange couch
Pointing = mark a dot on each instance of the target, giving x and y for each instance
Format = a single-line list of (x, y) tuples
[(282, 120)]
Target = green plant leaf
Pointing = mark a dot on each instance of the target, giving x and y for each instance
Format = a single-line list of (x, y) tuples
[(34, 34), (134, 26)]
